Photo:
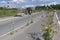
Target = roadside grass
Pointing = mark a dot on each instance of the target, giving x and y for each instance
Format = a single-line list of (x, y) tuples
[(5, 13)]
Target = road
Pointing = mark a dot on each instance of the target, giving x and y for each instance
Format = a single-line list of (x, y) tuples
[(9, 25), (28, 33), (31, 32), (58, 16)]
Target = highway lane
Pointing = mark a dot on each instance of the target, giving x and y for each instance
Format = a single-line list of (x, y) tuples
[(58, 16), (32, 32), (11, 24), (8, 25), (25, 33)]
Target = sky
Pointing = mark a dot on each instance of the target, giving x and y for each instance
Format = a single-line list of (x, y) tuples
[(27, 3)]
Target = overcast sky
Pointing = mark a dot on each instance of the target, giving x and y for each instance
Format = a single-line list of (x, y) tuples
[(27, 3)]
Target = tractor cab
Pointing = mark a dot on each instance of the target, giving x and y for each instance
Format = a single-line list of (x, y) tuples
[(28, 11)]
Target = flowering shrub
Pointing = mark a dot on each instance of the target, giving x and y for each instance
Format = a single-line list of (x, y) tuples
[(48, 32)]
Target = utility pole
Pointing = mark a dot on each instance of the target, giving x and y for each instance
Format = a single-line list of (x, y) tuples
[(4, 9), (7, 4)]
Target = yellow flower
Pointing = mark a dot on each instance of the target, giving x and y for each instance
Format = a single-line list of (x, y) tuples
[(54, 10), (55, 30), (46, 27)]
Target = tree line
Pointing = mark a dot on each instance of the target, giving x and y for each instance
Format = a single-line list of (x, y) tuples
[(2, 8), (57, 6)]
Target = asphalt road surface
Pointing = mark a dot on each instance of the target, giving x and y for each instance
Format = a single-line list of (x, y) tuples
[(31, 33), (8, 25), (58, 14)]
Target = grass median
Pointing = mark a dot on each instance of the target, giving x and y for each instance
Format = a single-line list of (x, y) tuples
[(6, 13)]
